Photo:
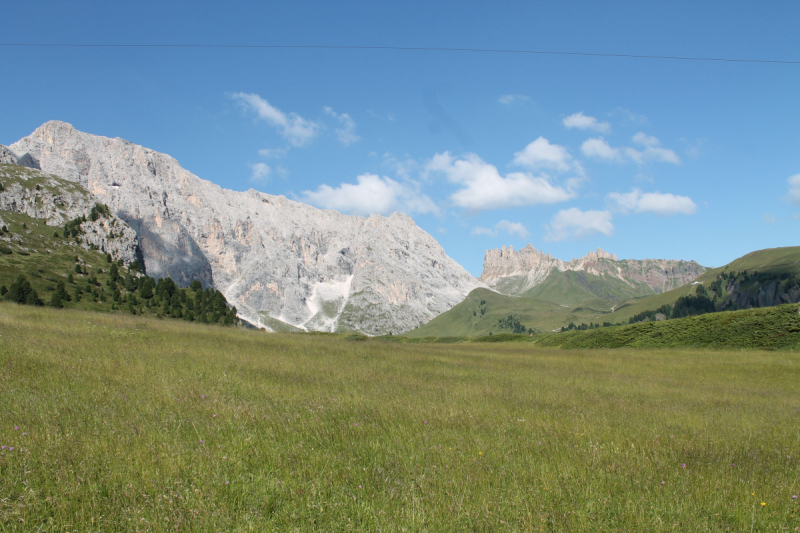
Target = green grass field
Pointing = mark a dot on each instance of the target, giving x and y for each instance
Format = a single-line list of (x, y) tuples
[(125, 423), (466, 319)]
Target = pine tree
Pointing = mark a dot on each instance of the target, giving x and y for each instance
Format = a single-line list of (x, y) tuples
[(55, 301)]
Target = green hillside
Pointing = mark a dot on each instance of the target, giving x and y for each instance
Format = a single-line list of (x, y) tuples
[(751, 273), (483, 310), (43, 265), (764, 328), (760, 279), (578, 288)]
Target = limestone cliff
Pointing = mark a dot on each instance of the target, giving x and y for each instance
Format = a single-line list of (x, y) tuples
[(514, 272), (57, 201), (278, 261)]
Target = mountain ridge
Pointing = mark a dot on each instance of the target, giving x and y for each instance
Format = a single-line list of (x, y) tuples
[(275, 259), (519, 272)]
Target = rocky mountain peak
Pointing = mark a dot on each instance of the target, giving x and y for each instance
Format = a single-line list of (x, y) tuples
[(529, 267), (283, 264)]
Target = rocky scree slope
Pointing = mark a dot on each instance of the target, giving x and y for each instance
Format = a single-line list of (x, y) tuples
[(57, 201), (516, 272), (278, 261)]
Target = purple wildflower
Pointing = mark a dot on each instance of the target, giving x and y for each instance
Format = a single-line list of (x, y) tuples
[(355, 423), (214, 416), (24, 434), (11, 448), (425, 422), (794, 497), (3, 447), (202, 442), (224, 457), (683, 465), (16, 428), (203, 396), (227, 482), (359, 486)]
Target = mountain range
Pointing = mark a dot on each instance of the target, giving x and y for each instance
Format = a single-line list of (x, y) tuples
[(286, 265), (283, 264)]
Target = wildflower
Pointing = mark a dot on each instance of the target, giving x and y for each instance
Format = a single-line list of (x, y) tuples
[(224, 457), (24, 434), (683, 465), (794, 497), (214, 416), (359, 486), (480, 453), (203, 396), (227, 482), (11, 448), (663, 482), (16, 428), (3, 447), (355, 423), (202, 442), (763, 504), (425, 422)]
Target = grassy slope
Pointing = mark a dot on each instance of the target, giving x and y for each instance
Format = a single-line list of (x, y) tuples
[(764, 328), (585, 290), (316, 433), (540, 315), (30, 178), (772, 260), (49, 260)]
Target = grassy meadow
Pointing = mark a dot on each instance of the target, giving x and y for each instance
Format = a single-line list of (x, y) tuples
[(126, 423)]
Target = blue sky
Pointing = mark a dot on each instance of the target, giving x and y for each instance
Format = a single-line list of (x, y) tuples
[(642, 157)]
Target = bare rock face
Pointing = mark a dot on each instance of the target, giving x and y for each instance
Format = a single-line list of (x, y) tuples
[(7, 157), (57, 201), (519, 271), (279, 262)]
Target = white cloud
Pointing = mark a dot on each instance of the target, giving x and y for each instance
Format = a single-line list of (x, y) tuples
[(541, 154), (769, 219), (295, 128), (259, 172), (601, 149), (346, 133), (480, 230), (403, 168), (273, 153), (794, 189), (630, 116), (573, 223), (484, 188), (652, 151), (664, 204), (584, 122), (511, 98), (512, 228), (372, 194)]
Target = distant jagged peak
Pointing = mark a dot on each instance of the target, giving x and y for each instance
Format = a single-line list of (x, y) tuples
[(534, 266)]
